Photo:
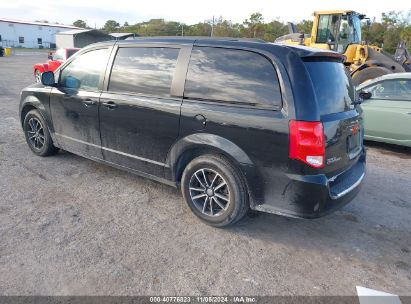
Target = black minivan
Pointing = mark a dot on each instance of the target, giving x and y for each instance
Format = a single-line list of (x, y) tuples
[(236, 124)]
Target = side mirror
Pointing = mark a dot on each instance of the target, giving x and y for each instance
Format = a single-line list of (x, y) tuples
[(364, 95), (47, 79)]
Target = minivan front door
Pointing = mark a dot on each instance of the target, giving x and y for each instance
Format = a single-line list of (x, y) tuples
[(74, 103), (139, 118)]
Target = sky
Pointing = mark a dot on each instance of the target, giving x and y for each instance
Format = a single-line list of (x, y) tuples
[(95, 13)]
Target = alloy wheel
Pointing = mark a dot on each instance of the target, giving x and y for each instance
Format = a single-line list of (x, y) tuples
[(209, 192), (35, 133)]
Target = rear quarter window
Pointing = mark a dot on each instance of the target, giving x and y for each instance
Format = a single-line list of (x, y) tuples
[(232, 76), (332, 85)]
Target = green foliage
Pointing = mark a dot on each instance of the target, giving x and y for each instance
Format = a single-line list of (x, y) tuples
[(305, 26), (406, 35), (225, 28), (80, 23), (254, 27), (394, 26), (111, 26), (199, 29)]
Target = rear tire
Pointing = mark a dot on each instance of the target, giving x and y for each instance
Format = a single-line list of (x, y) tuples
[(369, 73), (37, 134), (214, 190)]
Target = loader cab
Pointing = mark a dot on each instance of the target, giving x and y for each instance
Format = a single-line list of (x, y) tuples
[(335, 30)]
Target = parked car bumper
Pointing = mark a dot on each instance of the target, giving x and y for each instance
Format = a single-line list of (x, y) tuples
[(312, 196)]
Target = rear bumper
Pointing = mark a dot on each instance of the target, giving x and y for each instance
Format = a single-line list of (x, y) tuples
[(312, 196)]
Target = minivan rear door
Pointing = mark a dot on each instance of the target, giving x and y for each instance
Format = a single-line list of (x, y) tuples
[(342, 120)]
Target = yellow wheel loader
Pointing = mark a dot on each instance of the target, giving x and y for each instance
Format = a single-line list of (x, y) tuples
[(340, 31)]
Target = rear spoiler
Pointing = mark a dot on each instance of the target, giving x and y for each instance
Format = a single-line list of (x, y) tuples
[(324, 56), (307, 53)]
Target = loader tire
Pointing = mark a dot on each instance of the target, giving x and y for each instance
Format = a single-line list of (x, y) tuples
[(368, 74)]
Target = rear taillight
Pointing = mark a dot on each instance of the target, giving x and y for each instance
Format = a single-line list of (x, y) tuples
[(307, 142)]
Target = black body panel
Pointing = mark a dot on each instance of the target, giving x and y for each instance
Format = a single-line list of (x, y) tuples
[(139, 132), (76, 121), (157, 135)]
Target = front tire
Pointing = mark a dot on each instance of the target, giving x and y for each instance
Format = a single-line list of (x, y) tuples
[(369, 73), (37, 134), (214, 190)]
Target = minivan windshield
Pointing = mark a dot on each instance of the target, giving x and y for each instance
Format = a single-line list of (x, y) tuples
[(332, 85)]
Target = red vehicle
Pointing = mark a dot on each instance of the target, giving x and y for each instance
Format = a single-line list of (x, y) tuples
[(55, 60)]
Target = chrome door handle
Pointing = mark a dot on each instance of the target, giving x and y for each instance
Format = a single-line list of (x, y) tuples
[(110, 104), (89, 102)]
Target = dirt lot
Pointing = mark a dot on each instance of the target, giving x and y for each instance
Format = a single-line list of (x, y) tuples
[(70, 226)]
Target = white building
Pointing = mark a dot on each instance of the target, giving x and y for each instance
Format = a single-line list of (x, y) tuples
[(17, 33)]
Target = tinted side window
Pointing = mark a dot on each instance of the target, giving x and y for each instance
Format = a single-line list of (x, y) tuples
[(85, 71), (144, 70), (233, 76), (399, 89)]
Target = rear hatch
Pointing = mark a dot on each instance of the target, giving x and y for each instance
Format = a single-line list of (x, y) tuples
[(342, 121)]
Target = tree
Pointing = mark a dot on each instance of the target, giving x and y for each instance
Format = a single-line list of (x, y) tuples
[(374, 33), (394, 26), (110, 26), (273, 30), (391, 18), (199, 29), (305, 26), (389, 32), (254, 26), (406, 35), (225, 28), (391, 39), (80, 23)]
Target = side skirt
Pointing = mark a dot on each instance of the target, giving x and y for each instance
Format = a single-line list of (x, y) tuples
[(123, 168)]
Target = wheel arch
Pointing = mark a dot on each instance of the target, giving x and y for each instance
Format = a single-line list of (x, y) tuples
[(41, 67), (194, 145), (31, 103)]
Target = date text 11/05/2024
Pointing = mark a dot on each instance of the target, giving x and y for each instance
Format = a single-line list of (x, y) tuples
[(197, 299)]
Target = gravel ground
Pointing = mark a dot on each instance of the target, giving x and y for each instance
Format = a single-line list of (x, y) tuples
[(70, 226)]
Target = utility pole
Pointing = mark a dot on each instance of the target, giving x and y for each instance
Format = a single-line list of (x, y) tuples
[(212, 28), (182, 29)]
